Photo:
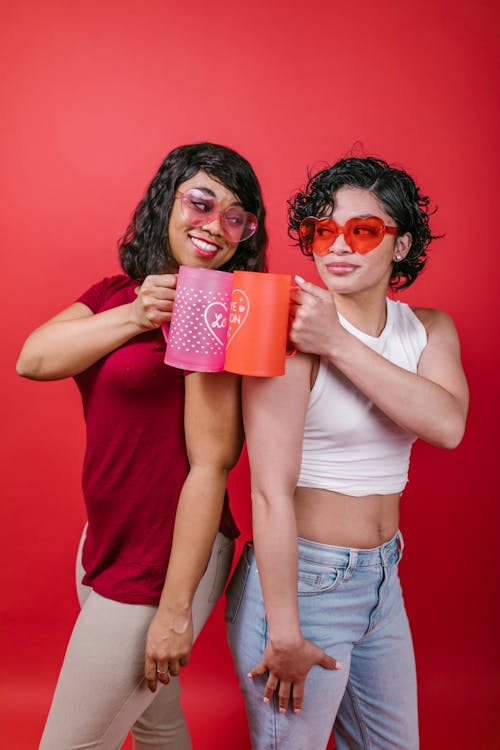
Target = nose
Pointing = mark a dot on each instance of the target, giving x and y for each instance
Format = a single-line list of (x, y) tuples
[(340, 245), (214, 224)]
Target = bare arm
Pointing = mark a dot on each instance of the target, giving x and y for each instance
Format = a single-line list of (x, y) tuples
[(214, 436), (75, 339), (432, 403), (274, 415)]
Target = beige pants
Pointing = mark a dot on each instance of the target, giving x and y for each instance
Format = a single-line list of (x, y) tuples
[(101, 693)]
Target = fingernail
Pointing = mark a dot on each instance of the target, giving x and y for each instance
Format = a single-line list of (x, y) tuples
[(296, 710), (282, 710), (300, 280), (338, 665), (250, 675), (266, 700)]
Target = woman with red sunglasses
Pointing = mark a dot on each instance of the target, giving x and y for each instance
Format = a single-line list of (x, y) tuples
[(160, 445), (329, 443)]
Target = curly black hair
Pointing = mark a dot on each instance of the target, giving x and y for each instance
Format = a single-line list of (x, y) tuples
[(144, 248), (393, 187)]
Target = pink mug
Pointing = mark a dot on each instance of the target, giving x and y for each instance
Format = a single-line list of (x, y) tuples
[(196, 337)]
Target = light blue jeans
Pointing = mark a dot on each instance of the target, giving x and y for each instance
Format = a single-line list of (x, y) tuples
[(351, 605)]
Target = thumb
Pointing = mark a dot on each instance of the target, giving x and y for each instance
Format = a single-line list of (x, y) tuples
[(329, 662), (260, 669), (312, 289)]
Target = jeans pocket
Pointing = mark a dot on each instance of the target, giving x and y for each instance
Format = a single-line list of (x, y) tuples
[(315, 579), (237, 584)]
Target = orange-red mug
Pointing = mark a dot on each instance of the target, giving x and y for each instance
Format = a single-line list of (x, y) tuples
[(258, 324)]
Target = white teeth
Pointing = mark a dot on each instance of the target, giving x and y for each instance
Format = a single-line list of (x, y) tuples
[(207, 247)]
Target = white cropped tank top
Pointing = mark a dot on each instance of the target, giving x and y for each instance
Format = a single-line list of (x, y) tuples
[(349, 445)]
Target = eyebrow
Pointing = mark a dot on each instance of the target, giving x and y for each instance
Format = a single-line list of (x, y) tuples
[(365, 216), (357, 216)]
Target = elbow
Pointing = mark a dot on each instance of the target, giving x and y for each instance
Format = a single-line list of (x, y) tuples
[(31, 366), (28, 367), (226, 459), (451, 434), (259, 499), (452, 441), (269, 500), (230, 460)]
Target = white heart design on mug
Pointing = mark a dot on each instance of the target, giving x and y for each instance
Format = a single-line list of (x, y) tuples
[(216, 319), (240, 307)]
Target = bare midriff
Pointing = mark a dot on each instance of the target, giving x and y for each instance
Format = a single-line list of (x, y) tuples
[(345, 521)]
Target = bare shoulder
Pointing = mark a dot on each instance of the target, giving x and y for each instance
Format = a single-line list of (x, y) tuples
[(435, 321)]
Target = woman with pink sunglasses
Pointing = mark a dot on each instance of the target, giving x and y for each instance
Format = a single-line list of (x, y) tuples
[(160, 445), (318, 596)]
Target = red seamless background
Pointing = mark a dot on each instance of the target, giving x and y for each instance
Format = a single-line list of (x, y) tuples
[(94, 95)]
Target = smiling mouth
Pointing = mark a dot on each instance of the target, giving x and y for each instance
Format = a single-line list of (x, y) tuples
[(204, 246)]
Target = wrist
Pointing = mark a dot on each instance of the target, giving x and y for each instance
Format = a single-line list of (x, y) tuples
[(177, 619), (135, 320), (338, 344), (169, 607), (286, 640)]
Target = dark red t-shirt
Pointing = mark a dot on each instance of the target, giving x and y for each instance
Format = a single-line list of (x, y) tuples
[(135, 460)]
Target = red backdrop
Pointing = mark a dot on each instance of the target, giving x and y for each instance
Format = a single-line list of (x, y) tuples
[(94, 95)]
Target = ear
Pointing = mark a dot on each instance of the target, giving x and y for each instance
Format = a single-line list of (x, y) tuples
[(402, 247)]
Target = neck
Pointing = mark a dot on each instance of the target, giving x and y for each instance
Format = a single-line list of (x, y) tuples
[(365, 311)]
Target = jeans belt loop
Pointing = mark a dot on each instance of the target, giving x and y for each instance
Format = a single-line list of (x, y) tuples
[(401, 543), (353, 559)]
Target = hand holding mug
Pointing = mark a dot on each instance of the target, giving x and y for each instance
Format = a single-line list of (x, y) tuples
[(155, 299), (315, 327)]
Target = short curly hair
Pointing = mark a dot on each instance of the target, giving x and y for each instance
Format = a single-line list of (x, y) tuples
[(144, 248), (393, 187)]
